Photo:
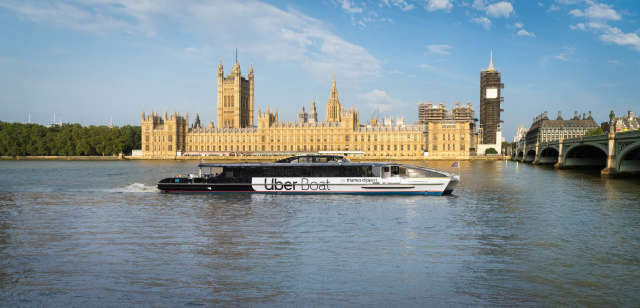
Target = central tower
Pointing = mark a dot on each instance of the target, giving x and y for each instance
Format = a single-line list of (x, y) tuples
[(235, 98), (334, 109), (490, 99)]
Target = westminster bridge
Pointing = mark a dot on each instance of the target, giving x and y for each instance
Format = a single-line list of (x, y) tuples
[(616, 153)]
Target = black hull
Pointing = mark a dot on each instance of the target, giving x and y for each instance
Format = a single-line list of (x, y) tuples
[(205, 187)]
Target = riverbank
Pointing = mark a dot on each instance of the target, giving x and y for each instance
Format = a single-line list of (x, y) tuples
[(240, 158)]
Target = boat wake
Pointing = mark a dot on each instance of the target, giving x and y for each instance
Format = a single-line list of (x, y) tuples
[(135, 187)]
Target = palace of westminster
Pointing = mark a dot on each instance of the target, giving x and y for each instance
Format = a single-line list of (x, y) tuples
[(439, 133)]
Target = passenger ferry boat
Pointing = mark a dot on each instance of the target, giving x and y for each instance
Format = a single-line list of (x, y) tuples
[(319, 174)]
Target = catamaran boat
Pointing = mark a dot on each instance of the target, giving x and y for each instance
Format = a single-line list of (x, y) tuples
[(317, 174)]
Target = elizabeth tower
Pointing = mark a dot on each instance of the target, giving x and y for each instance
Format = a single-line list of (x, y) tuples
[(490, 99)]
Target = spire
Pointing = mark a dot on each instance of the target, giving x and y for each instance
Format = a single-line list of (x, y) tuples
[(236, 55), (491, 69), (220, 65), (334, 89)]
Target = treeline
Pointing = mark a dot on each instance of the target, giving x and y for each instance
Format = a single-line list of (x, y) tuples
[(18, 139)]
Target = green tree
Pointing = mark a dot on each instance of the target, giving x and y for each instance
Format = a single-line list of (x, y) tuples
[(594, 132), (69, 139), (490, 151)]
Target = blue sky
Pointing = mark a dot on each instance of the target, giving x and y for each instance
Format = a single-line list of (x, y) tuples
[(92, 60)]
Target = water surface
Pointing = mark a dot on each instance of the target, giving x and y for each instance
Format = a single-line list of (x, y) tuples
[(98, 233)]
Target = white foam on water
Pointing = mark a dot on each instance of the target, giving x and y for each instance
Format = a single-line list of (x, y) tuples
[(136, 187)]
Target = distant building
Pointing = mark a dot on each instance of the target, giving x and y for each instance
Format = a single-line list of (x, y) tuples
[(450, 134), (235, 98), (490, 99), (520, 133), (170, 135), (627, 123), (452, 139), (544, 130)]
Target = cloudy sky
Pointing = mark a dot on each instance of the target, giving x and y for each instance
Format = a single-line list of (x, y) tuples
[(90, 61)]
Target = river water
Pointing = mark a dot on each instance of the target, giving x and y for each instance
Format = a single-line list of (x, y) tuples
[(99, 234)]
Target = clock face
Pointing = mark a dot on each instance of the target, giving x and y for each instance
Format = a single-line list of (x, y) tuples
[(492, 93)]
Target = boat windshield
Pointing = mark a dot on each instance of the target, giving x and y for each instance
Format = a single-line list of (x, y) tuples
[(416, 172)]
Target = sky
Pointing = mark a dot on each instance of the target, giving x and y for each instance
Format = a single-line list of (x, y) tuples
[(96, 61)]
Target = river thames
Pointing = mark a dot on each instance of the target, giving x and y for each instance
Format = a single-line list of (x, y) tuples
[(99, 234)]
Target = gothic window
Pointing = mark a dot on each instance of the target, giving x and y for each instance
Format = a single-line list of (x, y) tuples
[(169, 148)]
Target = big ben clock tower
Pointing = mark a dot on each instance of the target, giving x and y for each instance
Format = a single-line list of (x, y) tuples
[(490, 99)]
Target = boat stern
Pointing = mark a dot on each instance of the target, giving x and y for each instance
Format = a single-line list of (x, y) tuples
[(453, 181)]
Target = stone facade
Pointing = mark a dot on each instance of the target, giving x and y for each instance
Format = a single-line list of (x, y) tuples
[(627, 123), (545, 130), (169, 136), (451, 134), (235, 98), (452, 139)]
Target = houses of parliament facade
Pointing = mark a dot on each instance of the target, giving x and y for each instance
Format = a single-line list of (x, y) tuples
[(170, 135)]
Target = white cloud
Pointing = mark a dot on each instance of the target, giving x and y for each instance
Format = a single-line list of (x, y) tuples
[(379, 100), (566, 54), (479, 4), (266, 31), (524, 32), (348, 7), (568, 2), (500, 9), (483, 21), (578, 26), (442, 49), (553, 7), (426, 66), (597, 16), (616, 36), (597, 11), (402, 4), (434, 5), (71, 16), (518, 25)]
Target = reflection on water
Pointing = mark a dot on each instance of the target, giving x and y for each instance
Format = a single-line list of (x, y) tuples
[(98, 233)]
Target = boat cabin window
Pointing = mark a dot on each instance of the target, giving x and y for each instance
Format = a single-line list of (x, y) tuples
[(395, 170), (228, 174)]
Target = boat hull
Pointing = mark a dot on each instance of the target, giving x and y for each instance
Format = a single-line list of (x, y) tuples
[(363, 186)]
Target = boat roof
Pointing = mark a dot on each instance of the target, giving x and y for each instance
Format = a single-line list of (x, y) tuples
[(333, 163), (276, 164)]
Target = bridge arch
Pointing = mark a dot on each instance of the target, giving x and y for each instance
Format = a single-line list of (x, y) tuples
[(628, 160), (548, 156), (530, 156), (585, 154)]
